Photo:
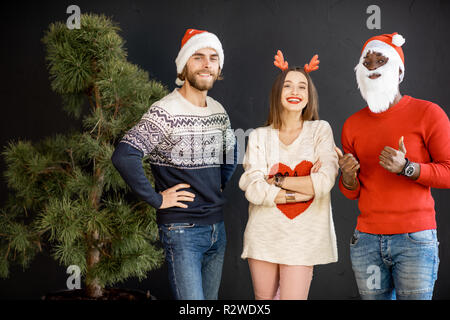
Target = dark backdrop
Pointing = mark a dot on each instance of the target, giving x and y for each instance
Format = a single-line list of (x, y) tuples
[(251, 32)]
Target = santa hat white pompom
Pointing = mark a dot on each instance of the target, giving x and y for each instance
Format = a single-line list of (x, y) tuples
[(398, 40)]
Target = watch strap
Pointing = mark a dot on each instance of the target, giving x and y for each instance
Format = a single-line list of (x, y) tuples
[(279, 180), (402, 173)]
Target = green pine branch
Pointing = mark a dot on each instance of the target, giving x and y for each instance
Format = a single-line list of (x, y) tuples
[(65, 193)]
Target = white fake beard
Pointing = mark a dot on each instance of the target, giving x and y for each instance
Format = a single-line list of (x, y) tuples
[(379, 93)]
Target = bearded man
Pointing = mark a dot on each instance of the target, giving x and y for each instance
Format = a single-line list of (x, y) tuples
[(192, 151), (396, 149)]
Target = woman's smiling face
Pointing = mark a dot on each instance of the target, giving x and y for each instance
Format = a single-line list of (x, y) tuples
[(294, 96)]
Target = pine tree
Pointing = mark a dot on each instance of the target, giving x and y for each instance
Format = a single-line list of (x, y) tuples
[(65, 192)]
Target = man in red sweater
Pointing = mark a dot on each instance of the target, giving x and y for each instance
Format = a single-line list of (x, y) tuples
[(396, 149)]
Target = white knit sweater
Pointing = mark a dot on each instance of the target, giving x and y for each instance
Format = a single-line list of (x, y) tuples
[(270, 235)]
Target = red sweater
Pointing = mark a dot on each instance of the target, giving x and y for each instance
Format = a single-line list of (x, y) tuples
[(388, 203)]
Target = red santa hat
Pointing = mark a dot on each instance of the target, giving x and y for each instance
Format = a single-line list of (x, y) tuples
[(192, 41), (389, 45)]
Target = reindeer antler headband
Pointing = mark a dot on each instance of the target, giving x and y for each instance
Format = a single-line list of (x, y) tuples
[(283, 65)]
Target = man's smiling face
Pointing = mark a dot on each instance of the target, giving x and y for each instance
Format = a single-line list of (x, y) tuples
[(203, 69), (378, 80), (374, 60)]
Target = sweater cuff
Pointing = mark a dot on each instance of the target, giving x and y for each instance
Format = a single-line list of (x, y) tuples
[(158, 201), (272, 192), (350, 194), (424, 174), (318, 180)]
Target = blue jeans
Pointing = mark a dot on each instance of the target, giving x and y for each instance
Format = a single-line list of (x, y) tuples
[(194, 255), (399, 266)]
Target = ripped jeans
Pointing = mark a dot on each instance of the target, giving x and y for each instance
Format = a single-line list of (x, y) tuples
[(194, 256), (398, 266)]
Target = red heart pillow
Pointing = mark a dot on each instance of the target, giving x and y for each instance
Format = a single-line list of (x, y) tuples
[(292, 210)]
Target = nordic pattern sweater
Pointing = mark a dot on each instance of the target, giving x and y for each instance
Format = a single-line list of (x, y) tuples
[(184, 143)]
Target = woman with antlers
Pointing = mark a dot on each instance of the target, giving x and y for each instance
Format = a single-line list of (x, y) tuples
[(290, 167)]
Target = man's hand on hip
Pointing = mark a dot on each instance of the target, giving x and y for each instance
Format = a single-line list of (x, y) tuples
[(172, 197)]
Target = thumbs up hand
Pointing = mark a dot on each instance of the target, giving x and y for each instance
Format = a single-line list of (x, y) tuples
[(401, 145), (349, 167), (393, 160)]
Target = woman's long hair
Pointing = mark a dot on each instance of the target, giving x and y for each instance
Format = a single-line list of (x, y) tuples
[(310, 112)]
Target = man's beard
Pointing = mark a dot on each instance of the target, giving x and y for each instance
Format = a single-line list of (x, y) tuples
[(379, 93), (198, 83)]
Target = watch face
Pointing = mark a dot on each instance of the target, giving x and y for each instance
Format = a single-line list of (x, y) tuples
[(409, 171)]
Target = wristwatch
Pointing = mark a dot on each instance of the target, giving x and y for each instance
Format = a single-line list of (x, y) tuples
[(290, 197), (279, 178), (409, 169)]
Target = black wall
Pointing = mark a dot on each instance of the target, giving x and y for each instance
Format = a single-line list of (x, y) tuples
[(251, 32)]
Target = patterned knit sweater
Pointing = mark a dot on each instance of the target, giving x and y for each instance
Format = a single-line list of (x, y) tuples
[(296, 233), (184, 143)]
